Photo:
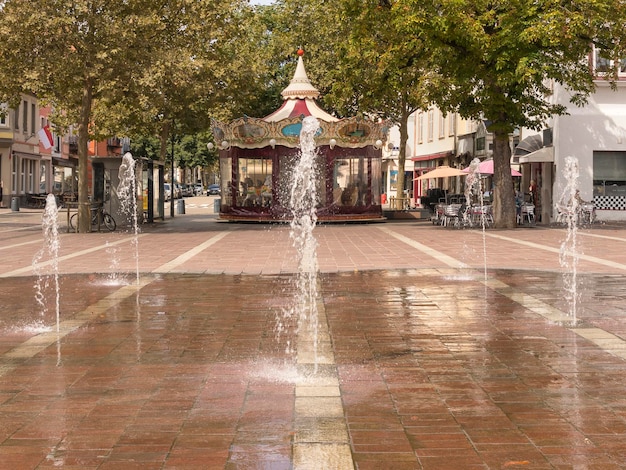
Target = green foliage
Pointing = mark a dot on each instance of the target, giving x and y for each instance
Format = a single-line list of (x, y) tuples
[(497, 61), (191, 151)]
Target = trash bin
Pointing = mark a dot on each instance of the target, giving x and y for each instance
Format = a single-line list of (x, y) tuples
[(217, 206), (15, 204), (180, 206)]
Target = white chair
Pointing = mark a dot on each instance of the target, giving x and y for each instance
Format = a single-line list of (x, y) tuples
[(528, 214)]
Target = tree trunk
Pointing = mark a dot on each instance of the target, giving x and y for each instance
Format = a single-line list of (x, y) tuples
[(404, 136), (84, 214), (163, 136), (504, 212)]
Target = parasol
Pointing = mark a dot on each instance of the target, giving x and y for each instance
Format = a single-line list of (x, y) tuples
[(486, 168), (441, 172)]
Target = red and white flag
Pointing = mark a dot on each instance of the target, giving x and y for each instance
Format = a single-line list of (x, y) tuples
[(45, 137)]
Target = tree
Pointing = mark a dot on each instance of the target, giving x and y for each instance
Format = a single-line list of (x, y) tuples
[(380, 73), (131, 67), (198, 70), (496, 60), (69, 54), (358, 60)]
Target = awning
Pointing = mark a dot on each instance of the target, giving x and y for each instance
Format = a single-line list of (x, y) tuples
[(432, 156), (529, 145), (65, 162), (545, 154)]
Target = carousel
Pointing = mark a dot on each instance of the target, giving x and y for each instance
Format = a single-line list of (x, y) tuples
[(257, 156)]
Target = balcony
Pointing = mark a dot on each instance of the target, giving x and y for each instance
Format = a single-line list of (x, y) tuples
[(72, 142)]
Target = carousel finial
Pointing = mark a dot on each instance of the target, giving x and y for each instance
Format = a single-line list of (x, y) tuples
[(300, 51)]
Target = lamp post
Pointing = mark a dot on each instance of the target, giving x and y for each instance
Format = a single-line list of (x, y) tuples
[(172, 191)]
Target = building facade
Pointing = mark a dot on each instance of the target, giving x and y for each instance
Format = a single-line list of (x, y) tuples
[(594, 135)]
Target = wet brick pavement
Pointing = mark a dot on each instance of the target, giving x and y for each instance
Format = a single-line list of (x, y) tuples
[(424, 356)]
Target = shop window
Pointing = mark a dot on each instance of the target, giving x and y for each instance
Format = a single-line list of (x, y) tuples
[(609, 174)]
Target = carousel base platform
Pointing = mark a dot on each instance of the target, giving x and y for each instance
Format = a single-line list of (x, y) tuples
[(337, 219)]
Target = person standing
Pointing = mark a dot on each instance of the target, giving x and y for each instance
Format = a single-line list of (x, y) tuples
[(532, 189)]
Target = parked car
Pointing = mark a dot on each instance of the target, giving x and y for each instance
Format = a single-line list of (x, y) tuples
[(213, 189), (178, 192), (198, 189), (187, 190), (167, 191)]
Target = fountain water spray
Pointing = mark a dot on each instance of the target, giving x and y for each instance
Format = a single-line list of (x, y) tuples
[(568, 206), (473, 187), (303, 202), (127, 195), (50, 250)]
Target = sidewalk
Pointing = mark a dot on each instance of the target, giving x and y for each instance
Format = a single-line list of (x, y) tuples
[(423, 353)]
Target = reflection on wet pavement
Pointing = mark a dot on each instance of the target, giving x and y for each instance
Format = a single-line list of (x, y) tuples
[(432, 369)]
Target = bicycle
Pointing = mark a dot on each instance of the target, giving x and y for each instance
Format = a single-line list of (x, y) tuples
[(99, 217)]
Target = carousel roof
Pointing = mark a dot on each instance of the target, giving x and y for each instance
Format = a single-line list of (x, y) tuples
[(282, 127), (299, 98)]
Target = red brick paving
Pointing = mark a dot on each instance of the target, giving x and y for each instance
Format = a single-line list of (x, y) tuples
[(436, 371)]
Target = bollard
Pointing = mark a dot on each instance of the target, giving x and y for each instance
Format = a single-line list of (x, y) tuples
[(217, 206), (180, 206), (15, 204)]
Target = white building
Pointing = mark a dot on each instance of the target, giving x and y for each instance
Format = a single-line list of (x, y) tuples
[(594, 134)]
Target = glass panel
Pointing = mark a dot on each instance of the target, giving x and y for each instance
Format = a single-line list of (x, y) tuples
[(376, 180), (287, 163), (32, 164), (602, 64), (70, 181), (350, 182), (57, 186), (255, 182), (42, 178), (158, 207), (14, 173), (226, 165)]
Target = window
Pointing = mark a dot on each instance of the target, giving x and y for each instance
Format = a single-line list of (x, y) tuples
[(42, 178), (4, 115), (431, 124), (25, 116), (442, 125), (602, 64), (33, 118), (255, 182), (452, 125), (420, 128), (28, 175), (480, 143), (14, 167), (350, 182), (609, 174)]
